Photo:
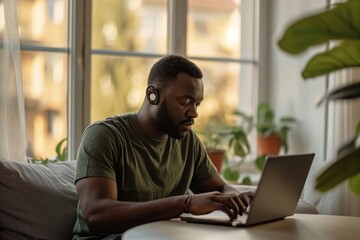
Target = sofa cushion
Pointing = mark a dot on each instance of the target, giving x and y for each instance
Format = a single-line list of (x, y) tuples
[(37, 201)]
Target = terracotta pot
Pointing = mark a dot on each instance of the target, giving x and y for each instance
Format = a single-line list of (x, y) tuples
[(268, 145), (217, 158)]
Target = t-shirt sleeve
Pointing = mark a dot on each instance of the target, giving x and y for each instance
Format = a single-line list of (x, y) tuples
[(97, 153)]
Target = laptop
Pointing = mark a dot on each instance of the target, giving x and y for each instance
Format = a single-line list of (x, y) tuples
[(276, 197)]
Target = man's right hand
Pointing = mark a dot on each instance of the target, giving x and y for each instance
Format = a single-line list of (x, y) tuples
[(232, 204)]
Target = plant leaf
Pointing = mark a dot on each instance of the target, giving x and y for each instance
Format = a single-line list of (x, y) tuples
[(239, 149), (283, 136), (246, 180), (347, 54), (260, 162), (61, 155), (348, 91), (231, 175), (341, 22), (242, 139), (287, 119), (347, 147), (345, 167), (354, 184), (246, 117)]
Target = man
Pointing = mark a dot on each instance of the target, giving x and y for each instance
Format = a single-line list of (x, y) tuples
[(139, 167)]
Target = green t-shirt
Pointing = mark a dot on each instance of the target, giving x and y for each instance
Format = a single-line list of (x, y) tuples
[(143, 168)]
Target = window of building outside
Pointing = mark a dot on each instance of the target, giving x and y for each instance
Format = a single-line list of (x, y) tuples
[(127, 37)]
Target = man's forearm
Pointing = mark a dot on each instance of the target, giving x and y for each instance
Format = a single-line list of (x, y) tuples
[(116, 217)]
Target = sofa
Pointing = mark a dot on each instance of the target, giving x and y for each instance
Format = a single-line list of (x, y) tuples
[(39, 201)]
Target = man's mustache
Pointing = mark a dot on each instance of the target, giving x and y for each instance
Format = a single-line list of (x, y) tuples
[(188, 121)]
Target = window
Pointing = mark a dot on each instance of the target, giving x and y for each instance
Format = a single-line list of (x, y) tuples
[(86, 60)]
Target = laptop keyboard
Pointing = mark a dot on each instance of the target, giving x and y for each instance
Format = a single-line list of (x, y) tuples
[(239, 220)]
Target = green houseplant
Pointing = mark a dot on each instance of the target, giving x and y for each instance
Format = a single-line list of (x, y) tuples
[(342, 24), (213, 142), (214, 149), (224, 140), (238, 146), (269, 129)]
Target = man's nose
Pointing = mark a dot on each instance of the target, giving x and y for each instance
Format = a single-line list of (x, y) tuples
[(192, 112)]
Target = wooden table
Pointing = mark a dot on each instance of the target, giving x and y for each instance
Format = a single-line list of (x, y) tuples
[(299, 226)]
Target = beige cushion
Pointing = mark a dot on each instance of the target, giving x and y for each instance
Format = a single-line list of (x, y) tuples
[(37, 201)]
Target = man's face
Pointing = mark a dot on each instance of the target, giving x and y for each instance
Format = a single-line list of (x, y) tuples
[(178, 108)]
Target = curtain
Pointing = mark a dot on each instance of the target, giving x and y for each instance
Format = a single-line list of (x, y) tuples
[(13, 142)]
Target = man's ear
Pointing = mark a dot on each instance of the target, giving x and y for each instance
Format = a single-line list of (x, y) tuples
[(152, 95)]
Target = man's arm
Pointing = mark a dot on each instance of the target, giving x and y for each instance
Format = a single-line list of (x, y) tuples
[(104, 213)]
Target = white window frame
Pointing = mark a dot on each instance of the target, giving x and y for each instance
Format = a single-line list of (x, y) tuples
[(79, 72)]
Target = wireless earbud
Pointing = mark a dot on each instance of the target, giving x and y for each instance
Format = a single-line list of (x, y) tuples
[(152, 95)]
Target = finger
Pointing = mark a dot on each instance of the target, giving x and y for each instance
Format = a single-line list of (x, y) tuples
[(241, 204), (242, 201), (235, 206), (225, 208), (246, 200), (247, 197), (230, 201)]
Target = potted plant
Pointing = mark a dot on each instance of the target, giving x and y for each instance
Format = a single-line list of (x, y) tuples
[(214, 149), (271, 134), (237, 146), (340, 23), (224, 142)]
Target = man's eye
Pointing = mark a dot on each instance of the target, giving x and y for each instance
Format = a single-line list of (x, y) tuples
[(185, 101)]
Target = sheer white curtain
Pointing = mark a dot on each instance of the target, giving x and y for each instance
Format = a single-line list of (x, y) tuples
[(12, 112)]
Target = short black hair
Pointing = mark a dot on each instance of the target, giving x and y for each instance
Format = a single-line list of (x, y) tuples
[(167, 68)]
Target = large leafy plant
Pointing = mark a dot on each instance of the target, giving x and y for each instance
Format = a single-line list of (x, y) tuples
[(341, 24)]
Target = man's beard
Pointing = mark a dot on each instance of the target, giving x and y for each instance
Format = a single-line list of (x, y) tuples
[(165, 123)]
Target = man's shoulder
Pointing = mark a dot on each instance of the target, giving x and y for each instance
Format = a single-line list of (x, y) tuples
[(122, 118), (115, 121), (116, 125)]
